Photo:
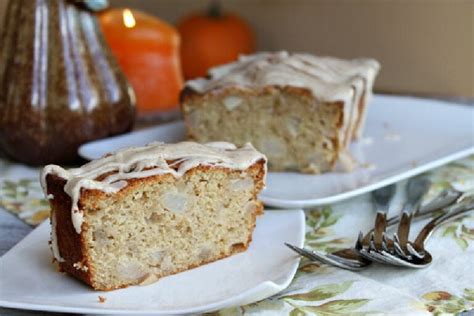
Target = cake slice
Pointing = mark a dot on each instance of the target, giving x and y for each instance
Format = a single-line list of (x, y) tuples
[(143, 213), (300, 110)]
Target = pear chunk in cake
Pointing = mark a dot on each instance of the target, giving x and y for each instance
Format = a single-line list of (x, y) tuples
[(300, 110), (143, 213)]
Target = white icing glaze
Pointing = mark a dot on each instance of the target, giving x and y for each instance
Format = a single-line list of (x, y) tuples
[(141, 162), (54, 240), (329, 79)]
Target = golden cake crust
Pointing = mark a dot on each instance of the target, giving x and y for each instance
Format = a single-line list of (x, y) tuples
[(72, 246)]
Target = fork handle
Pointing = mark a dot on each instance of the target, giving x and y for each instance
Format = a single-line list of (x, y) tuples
[(381, 199), (452, 213), (409, 211), (416, 188), (445, 199)]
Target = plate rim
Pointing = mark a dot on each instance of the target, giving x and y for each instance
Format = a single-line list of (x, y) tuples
[(298, 203), (260, 291)]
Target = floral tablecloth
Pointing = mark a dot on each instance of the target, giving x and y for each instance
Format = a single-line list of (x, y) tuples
[(447, 286)]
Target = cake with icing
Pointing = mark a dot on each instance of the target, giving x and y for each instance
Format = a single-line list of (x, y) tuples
[(300, 110), (142, 213)]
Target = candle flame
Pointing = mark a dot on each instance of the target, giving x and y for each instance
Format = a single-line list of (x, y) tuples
[(128, 18)]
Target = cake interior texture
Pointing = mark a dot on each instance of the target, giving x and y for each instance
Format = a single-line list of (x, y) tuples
[(159, 225), (300, 110), (294, 131)]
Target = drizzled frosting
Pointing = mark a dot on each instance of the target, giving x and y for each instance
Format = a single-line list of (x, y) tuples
[(141, 162), (54, 241), (329, 78)]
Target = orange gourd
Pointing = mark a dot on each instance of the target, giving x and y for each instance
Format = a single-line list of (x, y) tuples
[(147, 49), (212, 39)]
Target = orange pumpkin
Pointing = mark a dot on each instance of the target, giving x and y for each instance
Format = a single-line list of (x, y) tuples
[(212, 39), (147, 50)]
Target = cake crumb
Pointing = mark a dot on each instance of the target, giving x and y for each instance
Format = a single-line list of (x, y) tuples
[(149, 278), (369, 166), (80, 266), (392, 137), (102, 299), (346, 162), (367, 141)]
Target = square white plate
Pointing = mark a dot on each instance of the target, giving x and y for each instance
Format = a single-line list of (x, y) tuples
[(30, 281), (404, 136)]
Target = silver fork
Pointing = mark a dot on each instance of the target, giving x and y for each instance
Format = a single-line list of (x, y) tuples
[(418, 256), (464, 204), (350, 259), (416, 188), (381, 200)]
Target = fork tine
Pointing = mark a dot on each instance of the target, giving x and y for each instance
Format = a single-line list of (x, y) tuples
[(312, 255), (359, 242), (368, 254), (328, 259), (394, 260), (365, 254), (374, 256), (380, 257), (343, 263), (385, 243), (372, 246), (414, 252), (416, 188), (396, 246), (301, 251)]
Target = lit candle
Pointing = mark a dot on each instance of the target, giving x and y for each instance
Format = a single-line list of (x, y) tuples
[(128, 18), (147, 49)]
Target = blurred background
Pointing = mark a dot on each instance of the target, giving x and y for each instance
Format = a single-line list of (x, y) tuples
[(425, 47)]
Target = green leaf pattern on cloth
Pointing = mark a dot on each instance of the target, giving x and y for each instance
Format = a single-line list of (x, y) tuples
[(321, 293), (442, 303), (337, 307), (331, 307), (460, 176), (460, 232), (318, 236), (25, 199), (320, 300)]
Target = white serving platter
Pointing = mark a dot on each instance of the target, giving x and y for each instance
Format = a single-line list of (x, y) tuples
[(30, 281), (404, 136)]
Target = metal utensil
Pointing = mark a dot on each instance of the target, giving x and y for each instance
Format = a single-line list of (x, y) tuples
[(418, 256), (416, 188), (350, 259), (381, 199)]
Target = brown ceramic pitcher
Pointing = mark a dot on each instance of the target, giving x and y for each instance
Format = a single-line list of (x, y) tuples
[(59, 83)]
